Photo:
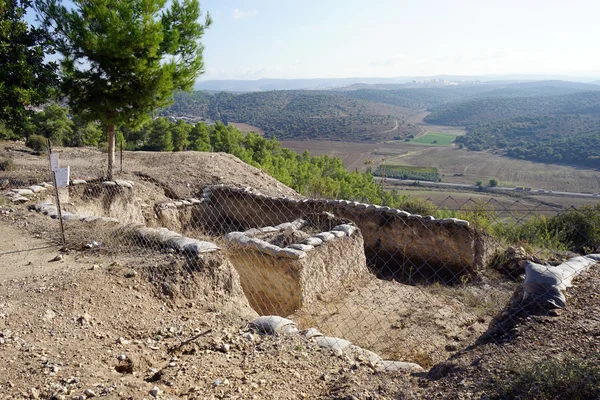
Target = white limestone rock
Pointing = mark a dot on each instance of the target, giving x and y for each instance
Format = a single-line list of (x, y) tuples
[(398, 366), (271, 325), (301, 247), (332, 343), (312, 241), (325, 236), (291, 253)]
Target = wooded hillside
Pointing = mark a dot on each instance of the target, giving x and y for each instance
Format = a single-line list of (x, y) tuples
[(299, 114)]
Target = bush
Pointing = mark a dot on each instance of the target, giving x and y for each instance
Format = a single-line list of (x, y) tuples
[(37, 142), (580, 229), (572, 378), (103, 147), (7, 164), (577, 230)]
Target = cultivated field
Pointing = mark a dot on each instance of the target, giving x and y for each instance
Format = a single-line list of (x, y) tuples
[(245, 128), (354, 155), (457, 165), (464, 200), (463, 166), (419, 120), (502, 205), (435, 139), (401, 168)]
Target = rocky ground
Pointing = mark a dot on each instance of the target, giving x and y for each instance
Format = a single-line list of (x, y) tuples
[(86, 320), (183, 174), (91, 324)]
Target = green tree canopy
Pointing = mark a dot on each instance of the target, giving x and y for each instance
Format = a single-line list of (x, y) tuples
[(181, 132), (53, 123), (25, 79), (160, 136), (123, 59)]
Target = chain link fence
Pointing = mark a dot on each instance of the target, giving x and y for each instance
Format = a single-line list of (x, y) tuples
[(403, 289)]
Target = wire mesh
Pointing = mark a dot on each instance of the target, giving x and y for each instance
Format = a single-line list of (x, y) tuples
[(399, 288)]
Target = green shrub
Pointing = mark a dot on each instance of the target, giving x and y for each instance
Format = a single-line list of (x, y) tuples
[(576, 230), (37, 142), (535, 232), (580, 229), (571, 378), (103, 147), (7, 164)]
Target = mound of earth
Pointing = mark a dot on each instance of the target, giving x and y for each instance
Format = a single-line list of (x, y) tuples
[(492, 363), (182, 174)]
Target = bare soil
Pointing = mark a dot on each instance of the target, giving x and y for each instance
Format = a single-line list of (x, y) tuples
[(97, 322), (457, 165), (86, 323), (480, 370), (245, 128), (182, 174)]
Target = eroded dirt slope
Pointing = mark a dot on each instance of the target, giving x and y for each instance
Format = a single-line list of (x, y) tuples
[(185, 173)]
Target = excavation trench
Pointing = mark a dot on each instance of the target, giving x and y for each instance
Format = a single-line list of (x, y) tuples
[(329, 287), (274, 284)]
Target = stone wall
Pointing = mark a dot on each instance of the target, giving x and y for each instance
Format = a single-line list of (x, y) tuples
[(280, 280), (204, 274), (115, 199), (398, 244)]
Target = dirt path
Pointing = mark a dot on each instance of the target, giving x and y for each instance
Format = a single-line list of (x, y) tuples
[(23, 255), (395, 128)]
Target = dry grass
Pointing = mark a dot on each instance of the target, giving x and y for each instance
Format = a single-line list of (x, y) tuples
[(456, 165), (571, 377), (245, 128), (470, 166)]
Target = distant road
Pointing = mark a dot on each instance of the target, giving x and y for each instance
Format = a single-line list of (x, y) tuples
[(395, 128), (487, 188)]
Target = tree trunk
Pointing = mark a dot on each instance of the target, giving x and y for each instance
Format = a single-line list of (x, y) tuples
[(111, 150)]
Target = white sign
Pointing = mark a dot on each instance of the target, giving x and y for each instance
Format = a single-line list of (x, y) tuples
[(62, 176), (54, 161)]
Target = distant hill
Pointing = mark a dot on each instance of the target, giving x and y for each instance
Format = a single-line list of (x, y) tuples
[(300, 114), (354, 83), (489, 109), (550, 121), (260, 85), (233, 85), (564, 138), (433, 98), (553, 129), (411, 98)]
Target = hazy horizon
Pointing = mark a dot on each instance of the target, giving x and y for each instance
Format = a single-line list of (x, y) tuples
[(265, 39), (256, 39), (502, 77)]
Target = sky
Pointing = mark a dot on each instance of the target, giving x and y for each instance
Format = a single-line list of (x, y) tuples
[(252, 39)]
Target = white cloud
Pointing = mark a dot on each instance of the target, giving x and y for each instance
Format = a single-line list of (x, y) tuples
[(240, 14)]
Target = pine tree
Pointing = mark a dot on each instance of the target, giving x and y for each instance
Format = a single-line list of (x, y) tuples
[(26, 80), (123, 59), (181, 132), (160, 137)]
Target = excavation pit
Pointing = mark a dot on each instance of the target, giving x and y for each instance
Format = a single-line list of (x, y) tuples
[(287, 267)]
